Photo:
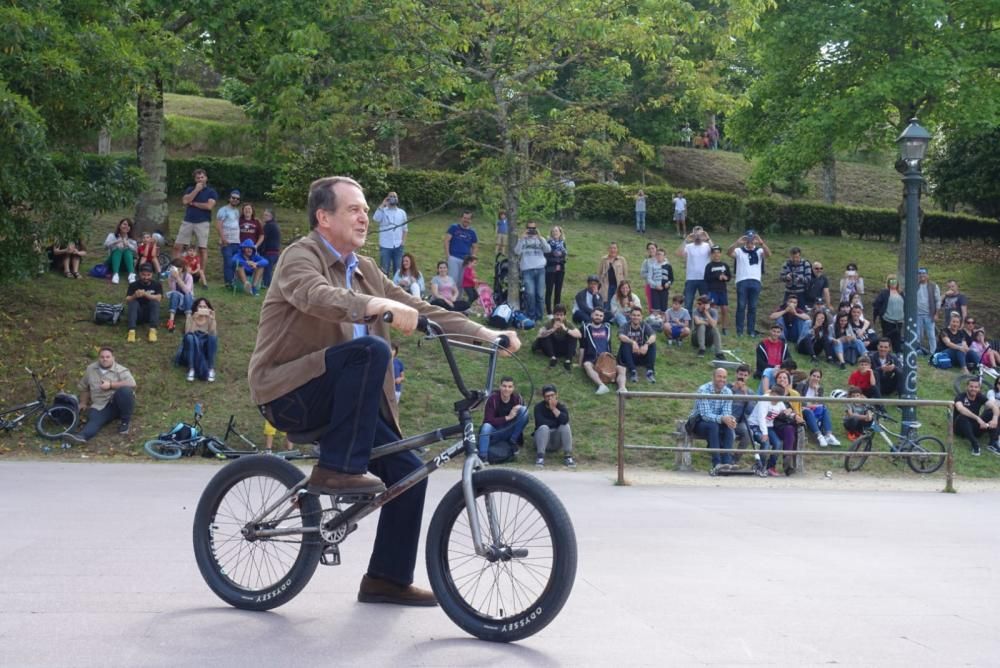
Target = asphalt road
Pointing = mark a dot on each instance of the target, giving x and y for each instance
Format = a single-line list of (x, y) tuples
[(96, 569)]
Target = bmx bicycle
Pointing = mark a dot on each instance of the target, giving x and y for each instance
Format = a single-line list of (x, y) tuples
[(188, 439), (501, 551), (984, 374), (930, 448), (53, 422)]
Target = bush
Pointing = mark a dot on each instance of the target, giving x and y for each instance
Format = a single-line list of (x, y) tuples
[(253, 181), (715, 211), (428, 190), (204, 137)]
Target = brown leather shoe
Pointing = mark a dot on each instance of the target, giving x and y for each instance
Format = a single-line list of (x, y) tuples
[(374, 590), (333, 482)]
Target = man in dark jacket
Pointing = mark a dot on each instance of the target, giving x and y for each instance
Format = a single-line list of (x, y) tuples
[(504, 416), (885, 364), (771, 352), (587, 300), (552, 427)]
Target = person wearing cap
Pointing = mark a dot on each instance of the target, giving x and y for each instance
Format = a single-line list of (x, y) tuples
[(796, 274), (552, 429), (852, 286), (717, 278), (249, 261), (227, 223), (587, 300), (392, 230), (928, 298), (199, 200), (143, 302)]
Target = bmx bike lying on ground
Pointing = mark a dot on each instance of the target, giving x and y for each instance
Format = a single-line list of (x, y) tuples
[(53, 422), (186, 440), (930, 448), (501, 550)]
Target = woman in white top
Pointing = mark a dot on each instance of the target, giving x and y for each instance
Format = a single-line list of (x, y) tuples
[(122, 251), (623, 302), (409, 277), (761, 423)]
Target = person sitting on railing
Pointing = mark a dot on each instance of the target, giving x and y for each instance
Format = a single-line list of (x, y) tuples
[(971, 421), (817, 416), (713, 421)]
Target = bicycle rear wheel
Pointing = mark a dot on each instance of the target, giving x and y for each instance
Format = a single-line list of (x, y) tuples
[(160, 449), (56, 422), (860, 444), (930, 462), (256, 573), (525, 584)]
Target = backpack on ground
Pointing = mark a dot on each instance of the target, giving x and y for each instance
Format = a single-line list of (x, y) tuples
[(522, 321), (99, 271), (500, 452), (941, 360), (501, 316), (66, 400), (108, 314)]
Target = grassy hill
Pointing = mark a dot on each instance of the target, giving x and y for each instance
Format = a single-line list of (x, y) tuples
[(46, 325)]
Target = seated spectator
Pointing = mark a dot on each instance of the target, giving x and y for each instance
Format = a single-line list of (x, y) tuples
[(637, 347), (67, 257), (717, 278), (862, 328), (122, 250), (857, 416), (193, 263), (444, 292), (398, 371), (817, 341), (180, 291), (844, 342), (270, 248), (558, 339), (249, 262), (864, 378), (597, 341), (954, 341), (409, 277), (623, 302), (504, 417), (785, 380), (149, 253), (771, 352), (980, 346), (677, 321), (817, 416), (200, 344), (793, 320), (852, 286), (713, 421), (762, 426), (706, 327), (107, 392), (587, 300), (741, 409), (552, 429), (817, 294), (971, 421), (885, 366), (143, 303)]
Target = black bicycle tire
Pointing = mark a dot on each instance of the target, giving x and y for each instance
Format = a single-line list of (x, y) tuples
[(50, 413), (162, 449), (962, 380), (935, 462), (534, 617), (297, 575), (852, 464)]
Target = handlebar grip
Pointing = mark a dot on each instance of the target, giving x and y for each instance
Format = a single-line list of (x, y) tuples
[(387, 317), (422, 324), (503, 341)]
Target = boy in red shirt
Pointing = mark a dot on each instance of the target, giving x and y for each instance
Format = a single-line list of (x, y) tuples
[(864, 379)]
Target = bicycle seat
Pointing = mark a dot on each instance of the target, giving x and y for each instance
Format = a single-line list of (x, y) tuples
[(306, 437)]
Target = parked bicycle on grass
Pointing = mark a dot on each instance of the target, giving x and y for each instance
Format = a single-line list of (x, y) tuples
[(189, 439), (51, 422), (929, 451)]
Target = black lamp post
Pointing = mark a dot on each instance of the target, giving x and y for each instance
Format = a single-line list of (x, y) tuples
[(912, 149)]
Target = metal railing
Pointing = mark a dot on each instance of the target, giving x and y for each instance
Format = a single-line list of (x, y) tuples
[(626, 395)]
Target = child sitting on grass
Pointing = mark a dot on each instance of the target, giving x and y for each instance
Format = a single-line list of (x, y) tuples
[(149, 252)]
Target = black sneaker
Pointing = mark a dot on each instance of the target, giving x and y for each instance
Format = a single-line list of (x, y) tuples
[(633, 376), (569, 462), (650, 376), (568, 365), (552, 362), (975, 451), (123, 427), (994, 448), (701, 352), (540, 462), (841, 366)]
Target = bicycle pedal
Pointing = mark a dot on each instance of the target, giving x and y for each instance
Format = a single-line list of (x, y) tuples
[(348, 499), (330, 556)]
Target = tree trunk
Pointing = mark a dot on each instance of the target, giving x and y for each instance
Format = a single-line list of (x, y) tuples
[(104, 142), (151, 208), (828, 179), (394, 149), (511, 199)]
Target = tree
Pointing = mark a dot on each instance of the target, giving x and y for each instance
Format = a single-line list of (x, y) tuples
[(965, 171)]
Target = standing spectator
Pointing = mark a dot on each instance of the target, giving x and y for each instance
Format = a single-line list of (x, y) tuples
[(444, 292), (612, 270), (409, 277), (697, 250), (555, 268), (928, 298), (200, 344), (271, 247), (503, 229), (712, 133), (193, 263), (249, 266), (687, 134), (817, 341), (149, 253), (392, 230), (793, 320), (717, 278), (706, 327), (649, 271), (106, 392), (199, 200), (622, 303), (864, 379), (817, 416), (67, 257), (227, 222), (661, 294), (817, 294), (771, 352), (637, 347), (398, 371), (748, 252), (587, 300), (954, 300), (558, 339), (680, 211), (250, 227), (742, 408), (852, 286), (180, 291), (122, 251), (469, 279), (143, 303), (597, 341), (796, 274), (640, 212), (552, 430), (885, 365), (955, 343), (504, 417), (531, 249), (888, 306), (713, 421), (678, 320), (459, 242), (970, 424)]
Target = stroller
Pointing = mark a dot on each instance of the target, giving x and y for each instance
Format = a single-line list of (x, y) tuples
[(501, 271)]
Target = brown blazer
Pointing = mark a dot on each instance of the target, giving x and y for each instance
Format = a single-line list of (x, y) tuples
[(308, 309), (621, 273)]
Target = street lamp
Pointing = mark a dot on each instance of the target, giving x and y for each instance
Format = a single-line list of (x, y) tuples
[(912, 149)]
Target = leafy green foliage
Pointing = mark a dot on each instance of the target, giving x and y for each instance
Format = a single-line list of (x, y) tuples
[(966, 171), (253, 181), (345, 157)]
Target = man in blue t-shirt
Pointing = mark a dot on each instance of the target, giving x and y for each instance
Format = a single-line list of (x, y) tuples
[(198, 199), (460, 242)]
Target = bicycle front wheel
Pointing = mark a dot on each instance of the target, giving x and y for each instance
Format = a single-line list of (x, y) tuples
[(855, 462), (245, 571), (160, 449), (929, 462), (56, 422), (520, 588)]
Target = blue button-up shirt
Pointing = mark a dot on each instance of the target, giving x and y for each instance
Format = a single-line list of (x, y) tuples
[(351, 262), (713, 411)]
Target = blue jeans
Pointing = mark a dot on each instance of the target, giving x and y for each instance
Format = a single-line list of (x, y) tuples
[(229, 252), (791, 330), (631, 360), (272, 263), (121, 405), (180, 301), (747, 294), (533, 281), (390, 259), (197, 351), (640, 221), (690, 287), (818, 420), (960, 359), (718, 436), (926, 333), (510, 432)]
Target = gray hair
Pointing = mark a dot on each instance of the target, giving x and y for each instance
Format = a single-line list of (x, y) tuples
[(322, 195)]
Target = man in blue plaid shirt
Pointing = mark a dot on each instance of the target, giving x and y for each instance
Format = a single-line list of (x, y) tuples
[(713, 420)]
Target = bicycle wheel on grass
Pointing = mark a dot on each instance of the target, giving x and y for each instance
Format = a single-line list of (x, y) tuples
[(162, 449), (56, 422), (860, 444), (256, 573), (520, 592), (930, 462)]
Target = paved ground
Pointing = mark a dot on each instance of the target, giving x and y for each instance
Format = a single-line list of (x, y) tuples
[(97, 570)]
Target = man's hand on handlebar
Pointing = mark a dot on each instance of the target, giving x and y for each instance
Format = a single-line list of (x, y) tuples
[(513, 343), (404, 318)]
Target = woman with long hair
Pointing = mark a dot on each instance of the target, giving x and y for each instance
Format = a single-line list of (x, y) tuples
[(122, 251), (817, 416), (408, 276), (555, 268), (888, 306), (200, 343), (444, 292), (623, 302), (817, 341)]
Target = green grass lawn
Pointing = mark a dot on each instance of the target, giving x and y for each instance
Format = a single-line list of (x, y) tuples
[(205, 108), (46, 325)]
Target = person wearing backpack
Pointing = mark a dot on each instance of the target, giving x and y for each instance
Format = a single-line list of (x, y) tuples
[(504, 417)]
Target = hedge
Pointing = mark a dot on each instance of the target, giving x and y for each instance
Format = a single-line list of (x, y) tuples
[(715, 210), (426, 190), (253, 181)]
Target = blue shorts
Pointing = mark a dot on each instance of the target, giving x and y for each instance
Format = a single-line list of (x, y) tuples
[(676, 331), (719, 298)]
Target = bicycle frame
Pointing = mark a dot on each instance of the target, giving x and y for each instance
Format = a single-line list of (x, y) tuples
[(903, 437), (26, 410)]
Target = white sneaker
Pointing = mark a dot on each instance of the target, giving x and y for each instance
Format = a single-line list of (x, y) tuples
[(211, 375), (602, 389), (131, 278), (821, 439), (832, 440), (190, 375), (115, 279)]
